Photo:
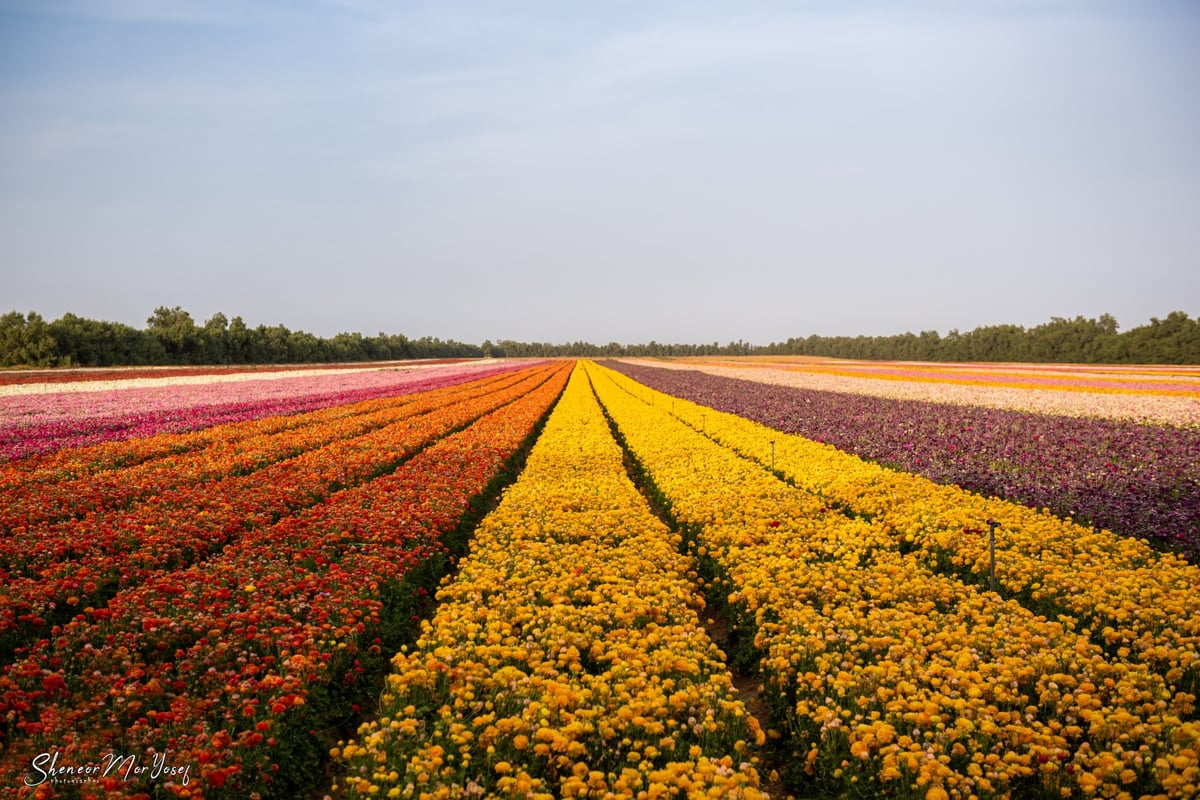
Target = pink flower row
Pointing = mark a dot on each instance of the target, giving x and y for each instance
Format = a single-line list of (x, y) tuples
[(83, 375)]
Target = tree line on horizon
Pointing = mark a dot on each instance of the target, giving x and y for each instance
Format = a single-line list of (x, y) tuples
[(172, 337)]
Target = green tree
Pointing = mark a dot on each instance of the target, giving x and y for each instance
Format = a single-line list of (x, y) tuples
[(1174, 340), (215, 339), (26, 341), (237, 342), (180, 338)]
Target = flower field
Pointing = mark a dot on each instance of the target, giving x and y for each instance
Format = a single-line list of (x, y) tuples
[(235, 645), (1157, 394), (566, 659), (81, 413), (665, 599), (1138, 479), (77, 562), (892, 674)]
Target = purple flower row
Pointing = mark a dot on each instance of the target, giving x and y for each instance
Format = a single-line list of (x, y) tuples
[(44, 423), (1134, 479)]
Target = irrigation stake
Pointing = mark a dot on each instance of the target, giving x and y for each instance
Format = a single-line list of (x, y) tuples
[(992, 551), (772, 455)]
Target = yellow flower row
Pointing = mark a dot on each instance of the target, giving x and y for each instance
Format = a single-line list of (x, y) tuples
[(1142, 604), (886, 674), (566, 658)]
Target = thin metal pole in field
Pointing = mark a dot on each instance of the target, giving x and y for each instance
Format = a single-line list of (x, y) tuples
[(992, 552)]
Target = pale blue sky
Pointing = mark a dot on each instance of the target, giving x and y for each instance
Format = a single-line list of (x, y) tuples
[(628, 171)]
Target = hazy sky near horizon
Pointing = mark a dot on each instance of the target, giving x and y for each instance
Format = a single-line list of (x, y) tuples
[(616, 171)]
